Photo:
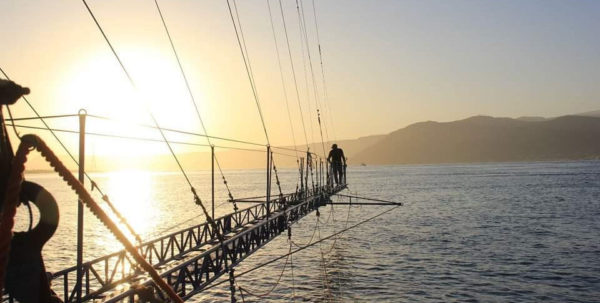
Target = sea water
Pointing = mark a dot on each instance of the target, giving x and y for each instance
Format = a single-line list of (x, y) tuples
[(509, 232)]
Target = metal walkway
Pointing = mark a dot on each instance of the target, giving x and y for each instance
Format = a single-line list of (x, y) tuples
[(192, 258)]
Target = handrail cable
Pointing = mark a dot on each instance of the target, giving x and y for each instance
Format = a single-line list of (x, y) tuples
[(304, 30), (177, 131), (197, 199), (45, 117), (287, 40), (142, 139), (172, 130), (105, 197), (242, 45), (285, 95), (325, 91), (191, 94), (148, 139)]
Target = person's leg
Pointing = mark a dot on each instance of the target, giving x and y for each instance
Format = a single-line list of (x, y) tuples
[(335, 173)]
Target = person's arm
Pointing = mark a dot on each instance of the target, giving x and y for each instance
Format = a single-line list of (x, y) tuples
[(343, 157), (329, 157)]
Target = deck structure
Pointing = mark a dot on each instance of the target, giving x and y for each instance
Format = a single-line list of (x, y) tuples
[(192, 258)]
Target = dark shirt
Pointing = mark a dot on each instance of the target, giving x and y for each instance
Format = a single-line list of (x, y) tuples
[(336, 156)]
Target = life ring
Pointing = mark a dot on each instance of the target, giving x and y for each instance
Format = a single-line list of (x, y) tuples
[(25, 271)]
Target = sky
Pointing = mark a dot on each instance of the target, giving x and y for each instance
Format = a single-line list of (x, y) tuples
[(387, 64)]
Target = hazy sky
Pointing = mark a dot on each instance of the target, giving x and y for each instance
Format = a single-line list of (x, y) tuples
[(387, 63)]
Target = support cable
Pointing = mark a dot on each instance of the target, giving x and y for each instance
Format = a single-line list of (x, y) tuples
[(239, 36), (197, 199), (305, 74), (285, 95), (287, 40), (303, 31), (191, 94), (105, 197), (325, 92)]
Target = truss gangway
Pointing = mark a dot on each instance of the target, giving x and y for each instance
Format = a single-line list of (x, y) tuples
[(190, 259)]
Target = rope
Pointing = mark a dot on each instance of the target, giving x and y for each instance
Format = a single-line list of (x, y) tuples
[(104, 196), (245, 57), (189, 89), (28, 143), (287, 40)]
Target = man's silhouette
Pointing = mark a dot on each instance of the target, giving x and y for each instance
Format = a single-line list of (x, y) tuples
[(336, 157)]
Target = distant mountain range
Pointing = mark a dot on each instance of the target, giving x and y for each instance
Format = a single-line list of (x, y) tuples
[(488, 139), (475, 139)]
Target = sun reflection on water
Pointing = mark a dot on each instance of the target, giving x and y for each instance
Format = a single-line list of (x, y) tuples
[(131, 192)]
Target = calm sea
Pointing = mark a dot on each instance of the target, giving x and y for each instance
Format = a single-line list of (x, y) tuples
[(512, 232)]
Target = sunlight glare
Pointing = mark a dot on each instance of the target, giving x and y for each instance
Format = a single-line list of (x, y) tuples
[(132, 194)]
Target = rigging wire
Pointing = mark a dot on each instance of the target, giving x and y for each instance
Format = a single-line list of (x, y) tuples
[(248, 65), (191, 94), (303, 31), (239, 36), (197, 199), (105, 197), (325, 92), (287, 40), (301, 34), (285, 95)]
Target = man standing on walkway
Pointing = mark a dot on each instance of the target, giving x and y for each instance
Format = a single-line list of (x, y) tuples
[(336, 158)]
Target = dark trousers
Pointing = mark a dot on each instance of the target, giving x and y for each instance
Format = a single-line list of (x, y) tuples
[(338, 172)]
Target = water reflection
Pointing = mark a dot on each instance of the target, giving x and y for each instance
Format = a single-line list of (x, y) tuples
[(132, 195)]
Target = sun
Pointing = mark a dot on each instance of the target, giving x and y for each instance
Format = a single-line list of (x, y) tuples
[(98, 84)]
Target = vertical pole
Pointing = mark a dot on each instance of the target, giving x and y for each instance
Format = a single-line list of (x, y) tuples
[(82, 116), (268, 180), (307, 169), (212, 174), (321, 174), (301, 175)]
